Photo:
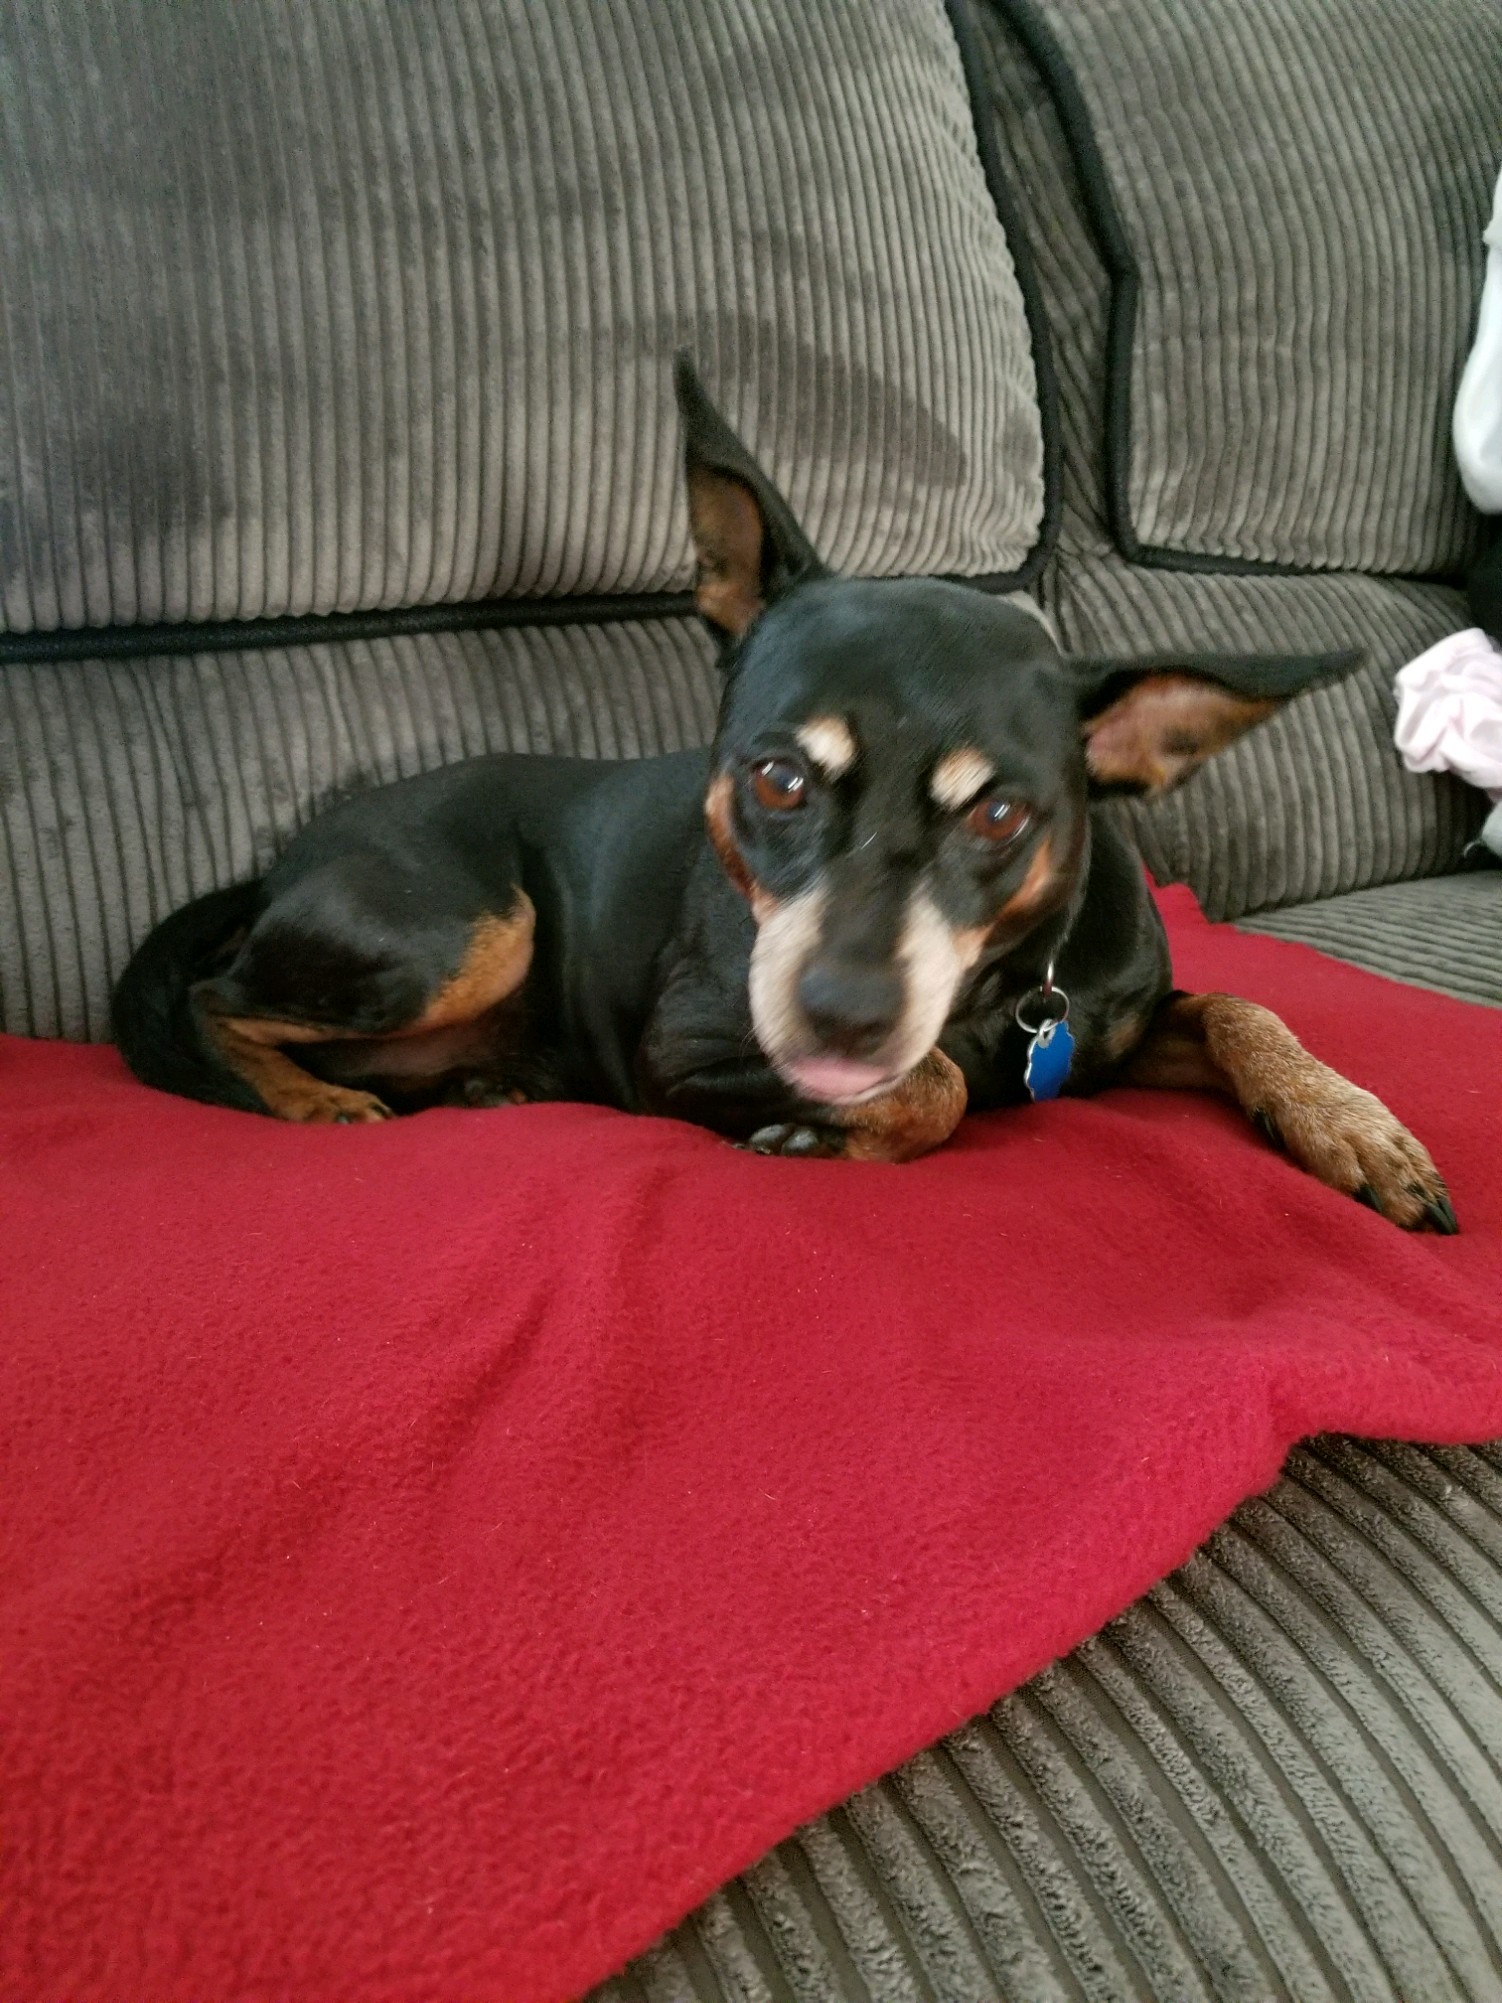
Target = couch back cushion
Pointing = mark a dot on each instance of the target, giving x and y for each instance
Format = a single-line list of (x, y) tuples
[(337, 307), (1288, 197), (1315, 802)]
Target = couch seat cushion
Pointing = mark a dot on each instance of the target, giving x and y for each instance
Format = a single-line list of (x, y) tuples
[(1444, 933), (1262, 1781)]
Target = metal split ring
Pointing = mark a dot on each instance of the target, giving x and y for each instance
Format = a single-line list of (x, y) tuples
[(1058, 1013), (1053, 1000)]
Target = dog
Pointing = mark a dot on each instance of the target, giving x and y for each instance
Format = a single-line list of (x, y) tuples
[(888, 892)]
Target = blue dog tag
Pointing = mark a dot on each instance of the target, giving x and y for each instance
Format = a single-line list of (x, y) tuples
[(1049, 1057), (1043, 1015)]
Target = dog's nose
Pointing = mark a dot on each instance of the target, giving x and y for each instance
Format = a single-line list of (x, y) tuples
[(850, 1008)]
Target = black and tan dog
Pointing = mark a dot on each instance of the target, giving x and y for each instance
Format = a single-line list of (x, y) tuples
[(859, 912)]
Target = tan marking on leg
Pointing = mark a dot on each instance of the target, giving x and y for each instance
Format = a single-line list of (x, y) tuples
[(959, 776), (1338, 1132), (911, 1120), (1121, 1041), (494, 966), (1173, 1055), (248, 1047), (830, 743)]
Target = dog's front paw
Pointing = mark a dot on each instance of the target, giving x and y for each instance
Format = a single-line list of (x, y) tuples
[(330, 1106), (1351, 1142), (338, 1107), (792, 1138)]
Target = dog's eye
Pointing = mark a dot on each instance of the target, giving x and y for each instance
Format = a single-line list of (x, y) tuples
[(778, 785), (997, 820)]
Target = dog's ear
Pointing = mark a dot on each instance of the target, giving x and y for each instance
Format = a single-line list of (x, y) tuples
[(749, 547), (1148, 724)]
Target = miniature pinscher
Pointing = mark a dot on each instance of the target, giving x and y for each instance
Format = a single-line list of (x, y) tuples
[(887, 892)]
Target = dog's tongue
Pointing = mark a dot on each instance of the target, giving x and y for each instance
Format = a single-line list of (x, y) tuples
[(829, 1080)]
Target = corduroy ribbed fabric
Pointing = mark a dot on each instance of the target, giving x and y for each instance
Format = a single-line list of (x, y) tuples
[(127, 787), (1074, 284), (1287, 197), (336, 307), (1273, 1780), (1444, 933), (1317, 801)]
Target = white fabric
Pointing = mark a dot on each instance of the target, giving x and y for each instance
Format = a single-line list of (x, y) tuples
[(1450, 716), (1478, 406)]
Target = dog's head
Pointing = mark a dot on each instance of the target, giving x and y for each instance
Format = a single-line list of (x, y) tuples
[(902, 771)]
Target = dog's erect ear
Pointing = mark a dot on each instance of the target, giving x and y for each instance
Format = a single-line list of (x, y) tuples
[(749, 547), (1148, 724)]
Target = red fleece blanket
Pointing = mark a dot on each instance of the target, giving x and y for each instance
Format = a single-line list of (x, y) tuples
[(439, 1554)]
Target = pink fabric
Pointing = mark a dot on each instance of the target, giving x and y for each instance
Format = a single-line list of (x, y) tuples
[(437, 1555)]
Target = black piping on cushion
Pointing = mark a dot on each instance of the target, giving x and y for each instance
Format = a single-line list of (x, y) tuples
[(222, 636), (1033, 306)]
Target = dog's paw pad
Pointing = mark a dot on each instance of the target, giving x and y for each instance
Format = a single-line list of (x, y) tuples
[(789, 1138)]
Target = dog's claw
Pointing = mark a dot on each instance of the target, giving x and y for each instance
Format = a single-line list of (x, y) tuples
[(1440, 1213), (1267, 1127), (1421, 1208)]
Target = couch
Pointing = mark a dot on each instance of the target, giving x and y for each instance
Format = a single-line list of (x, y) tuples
[(338, 445)]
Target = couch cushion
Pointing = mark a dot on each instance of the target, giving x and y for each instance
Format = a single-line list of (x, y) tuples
[(1445, 933), (349, 306), (1317, 801), (1261, 1782), (1290, 196), (1073, 281), (128, 786)]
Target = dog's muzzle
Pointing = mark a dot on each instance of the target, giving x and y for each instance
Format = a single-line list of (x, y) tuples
[(841, 1030)]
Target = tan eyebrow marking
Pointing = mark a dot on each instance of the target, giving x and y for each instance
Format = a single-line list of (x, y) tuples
[(830, 742), (959, 776)]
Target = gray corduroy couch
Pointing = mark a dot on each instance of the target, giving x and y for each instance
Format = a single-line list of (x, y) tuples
[(337, 443)]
